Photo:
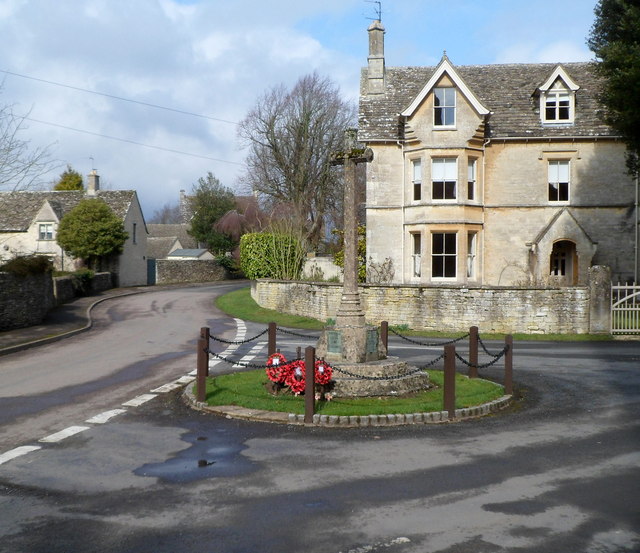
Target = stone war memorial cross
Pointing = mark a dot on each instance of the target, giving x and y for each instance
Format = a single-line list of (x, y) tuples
[(352, 344)]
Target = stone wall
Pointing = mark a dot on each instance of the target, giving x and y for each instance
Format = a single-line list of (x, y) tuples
[(101, 282), (448, 308), (197, 270), (65, 290), (322, 267), (24, 300)]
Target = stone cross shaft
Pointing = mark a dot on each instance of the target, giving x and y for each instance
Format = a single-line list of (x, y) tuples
[(350, 312)]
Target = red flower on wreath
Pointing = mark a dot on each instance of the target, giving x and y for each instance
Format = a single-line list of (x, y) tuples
[(277, 368), (323, 372), (296, 377)]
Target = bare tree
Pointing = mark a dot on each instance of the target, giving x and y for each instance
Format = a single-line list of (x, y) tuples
[(291, 136), (21, 166), (168, 213)]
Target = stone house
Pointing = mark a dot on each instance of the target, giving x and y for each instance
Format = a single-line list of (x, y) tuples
[(493, 175), (29, 222)]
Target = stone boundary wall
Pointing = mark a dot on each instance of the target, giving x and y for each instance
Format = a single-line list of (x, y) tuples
[(323, 265), (64, 290), (448, 308), (187, 270), (24, 300)]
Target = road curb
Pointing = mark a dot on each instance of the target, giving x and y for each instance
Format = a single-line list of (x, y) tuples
[(335, 421), (50, 339)]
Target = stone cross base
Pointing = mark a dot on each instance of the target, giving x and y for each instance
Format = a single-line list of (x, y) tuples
[(352, 386), (350, 344)]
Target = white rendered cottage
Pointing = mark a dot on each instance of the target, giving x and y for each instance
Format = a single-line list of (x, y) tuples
[(29, 222)]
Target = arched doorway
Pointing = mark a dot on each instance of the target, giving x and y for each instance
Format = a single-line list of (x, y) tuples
[(564, 263)]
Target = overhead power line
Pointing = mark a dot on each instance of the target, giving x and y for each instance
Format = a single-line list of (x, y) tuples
[(130, 141), (147, 104)]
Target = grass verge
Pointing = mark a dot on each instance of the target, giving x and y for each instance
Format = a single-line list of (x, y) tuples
[(240, 304), (247, 389)]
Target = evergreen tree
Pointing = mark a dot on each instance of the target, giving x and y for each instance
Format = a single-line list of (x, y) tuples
[(615, 40), (92, 232), (209, 201), (70, 179)]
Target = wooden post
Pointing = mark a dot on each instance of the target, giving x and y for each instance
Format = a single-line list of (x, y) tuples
[(272, 339), (202, 367), (298, 352), (449, 392), (384, 334), (473, 352), (205, 334), (310, 384), (508, 365)]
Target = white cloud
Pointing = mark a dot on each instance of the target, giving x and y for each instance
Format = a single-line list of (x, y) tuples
[(532, 52), (215, 45), (216, 58), (9, 7), (564, 51)]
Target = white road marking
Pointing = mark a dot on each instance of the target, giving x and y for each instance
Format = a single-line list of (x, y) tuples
[(242, 330), (63, 434), (106, 416), (18, 452), (252, 354), (137, 401), (167, 387)]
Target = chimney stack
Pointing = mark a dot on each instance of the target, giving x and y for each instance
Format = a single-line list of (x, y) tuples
[(376, 58), (93, 183)]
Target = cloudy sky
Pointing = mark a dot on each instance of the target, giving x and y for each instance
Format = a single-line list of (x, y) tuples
[(148, 92)]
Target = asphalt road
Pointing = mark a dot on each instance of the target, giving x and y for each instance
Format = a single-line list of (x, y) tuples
[(558, 472)]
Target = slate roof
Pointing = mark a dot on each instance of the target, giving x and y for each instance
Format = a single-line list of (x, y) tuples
[(509, 91), (18, 209), (158, 247), (176, 230), (188, 252)]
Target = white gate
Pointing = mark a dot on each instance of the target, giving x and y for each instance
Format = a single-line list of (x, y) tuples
[(625, 309)]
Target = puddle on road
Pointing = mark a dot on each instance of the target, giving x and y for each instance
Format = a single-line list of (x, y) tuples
[(204, 459)]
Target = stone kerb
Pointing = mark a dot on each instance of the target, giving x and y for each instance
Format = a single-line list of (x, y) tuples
[(343, 421)]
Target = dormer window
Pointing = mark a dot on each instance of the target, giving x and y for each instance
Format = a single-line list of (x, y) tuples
[(558, 104), (444, 107), (557, 99)]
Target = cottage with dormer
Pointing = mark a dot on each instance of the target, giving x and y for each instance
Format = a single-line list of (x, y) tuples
[(493, 175)]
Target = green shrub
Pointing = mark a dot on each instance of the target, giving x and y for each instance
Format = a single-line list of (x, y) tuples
[(338, 256), (230, 264), (81, 281), (271, 255), (25, 265)]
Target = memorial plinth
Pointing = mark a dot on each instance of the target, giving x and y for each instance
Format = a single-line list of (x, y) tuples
[(352, 346)]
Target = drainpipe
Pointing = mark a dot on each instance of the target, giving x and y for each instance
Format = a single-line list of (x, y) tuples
[(402, 203), (484, 164)]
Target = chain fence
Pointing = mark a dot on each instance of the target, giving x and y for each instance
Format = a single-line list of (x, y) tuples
[(495, 357), (292, 333), (238, 342), (427, 344)]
